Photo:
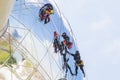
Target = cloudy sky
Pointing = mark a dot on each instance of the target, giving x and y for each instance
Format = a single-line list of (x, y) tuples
[(96, 24)]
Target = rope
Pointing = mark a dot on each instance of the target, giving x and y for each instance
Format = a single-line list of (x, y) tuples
[(4, 30), (13, 71), (10, 50), (74, 39), (35, 60), (34, 45), (50, 66), (29, 10), (46, 52), (37, 38), (24, 26), (54, 24), (32, 33), (23, 37), (59, 25), (27, 57), (60, 14), (50, 55), (86, 76), (49, 31), (21, 40), (19, 78), (33, 13)]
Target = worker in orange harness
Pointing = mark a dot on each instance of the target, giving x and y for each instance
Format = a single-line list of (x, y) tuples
[(56, 42), (66, 41), (45, 12), (78, 62), (66, 65)]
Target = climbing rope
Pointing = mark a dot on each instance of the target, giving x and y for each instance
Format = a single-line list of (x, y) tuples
[(23, 37), (4, 29)]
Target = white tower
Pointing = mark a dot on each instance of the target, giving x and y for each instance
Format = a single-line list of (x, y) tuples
[(5, 9)]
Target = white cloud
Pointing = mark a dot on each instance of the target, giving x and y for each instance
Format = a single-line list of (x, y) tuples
[(111, 52), (102, 24)]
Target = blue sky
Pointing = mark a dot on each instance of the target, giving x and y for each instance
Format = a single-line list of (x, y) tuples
[(96, 27)]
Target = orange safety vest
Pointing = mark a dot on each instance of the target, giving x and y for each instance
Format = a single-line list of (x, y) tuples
[(80, 63)]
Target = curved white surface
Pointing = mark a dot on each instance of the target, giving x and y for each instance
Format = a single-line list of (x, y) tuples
[(5, 9)]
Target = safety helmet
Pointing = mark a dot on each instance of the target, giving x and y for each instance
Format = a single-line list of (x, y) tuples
[(77, 52), (55, 32), (62, 42), (49, 6), (63, 34)]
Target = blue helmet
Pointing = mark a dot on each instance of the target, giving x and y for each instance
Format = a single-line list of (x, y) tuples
[(77, 52), (49, 6), (63, 34)]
